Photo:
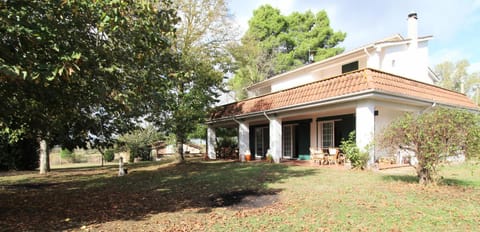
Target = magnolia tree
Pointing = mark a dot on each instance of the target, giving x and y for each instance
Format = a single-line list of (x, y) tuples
[(433, 136)]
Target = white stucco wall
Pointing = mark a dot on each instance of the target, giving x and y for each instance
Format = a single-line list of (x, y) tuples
[(211, 136), (292, 81), (365, 127), (275, 127), (382, 120), (410, 63), (243, 140)]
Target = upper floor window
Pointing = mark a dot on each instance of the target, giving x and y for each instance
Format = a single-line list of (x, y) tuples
[(350, 67)]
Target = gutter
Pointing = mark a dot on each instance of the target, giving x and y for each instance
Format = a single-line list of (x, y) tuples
[(336, 100)]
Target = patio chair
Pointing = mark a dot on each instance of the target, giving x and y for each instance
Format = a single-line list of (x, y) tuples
[(332, 155), (317, 156)]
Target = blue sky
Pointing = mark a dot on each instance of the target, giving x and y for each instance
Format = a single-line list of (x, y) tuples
[(455, 25)]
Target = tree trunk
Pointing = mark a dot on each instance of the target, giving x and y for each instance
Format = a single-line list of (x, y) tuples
[(48, 157), (424, 175), (43, 156), (101, 154), (180, 142)]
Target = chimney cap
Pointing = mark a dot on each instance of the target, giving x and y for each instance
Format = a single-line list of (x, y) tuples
[(412, 14)]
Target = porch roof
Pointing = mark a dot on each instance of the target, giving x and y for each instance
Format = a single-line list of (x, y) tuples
[(361, 81)]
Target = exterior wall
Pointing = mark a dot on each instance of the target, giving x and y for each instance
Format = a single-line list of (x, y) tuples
[(275, 127), (316, 72), (365, 127), (382, 120), (243, 140), (211, 137), (406, 62), (291, 82)]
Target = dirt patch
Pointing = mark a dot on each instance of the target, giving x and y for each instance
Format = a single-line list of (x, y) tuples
[(245, 199)]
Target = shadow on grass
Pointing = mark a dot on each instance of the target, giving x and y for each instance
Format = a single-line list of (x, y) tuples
[(442, 181), (103, 198), (457, 182), (402, 178)]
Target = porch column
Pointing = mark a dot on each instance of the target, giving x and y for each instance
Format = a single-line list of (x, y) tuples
[(243, 139), (211, 136), (276, 138), (365, 128)]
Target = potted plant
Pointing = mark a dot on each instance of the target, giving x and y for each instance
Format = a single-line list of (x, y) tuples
[(248, 155), (269, 158)]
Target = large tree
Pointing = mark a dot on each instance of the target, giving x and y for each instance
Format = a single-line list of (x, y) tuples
[(73, 71), (433, 136), (455, 74), (275, 43), (202, 34)]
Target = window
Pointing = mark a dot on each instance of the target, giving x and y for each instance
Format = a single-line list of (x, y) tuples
[(350, 67), (326, 134)]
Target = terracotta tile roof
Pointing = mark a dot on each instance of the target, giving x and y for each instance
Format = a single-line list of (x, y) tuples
[(345, 84)]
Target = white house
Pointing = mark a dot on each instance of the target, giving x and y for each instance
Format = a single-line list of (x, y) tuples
[(319, 104)]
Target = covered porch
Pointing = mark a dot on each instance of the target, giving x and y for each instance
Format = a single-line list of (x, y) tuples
[(288, 123), (293, 135)]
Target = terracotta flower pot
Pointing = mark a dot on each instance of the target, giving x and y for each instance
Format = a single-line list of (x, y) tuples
[(247, 157)]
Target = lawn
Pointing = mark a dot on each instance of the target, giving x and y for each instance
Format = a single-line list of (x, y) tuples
[(233, 196)]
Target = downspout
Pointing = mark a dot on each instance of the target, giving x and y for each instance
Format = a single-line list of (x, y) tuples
[(266, 116), (430, 107), (234, 119)]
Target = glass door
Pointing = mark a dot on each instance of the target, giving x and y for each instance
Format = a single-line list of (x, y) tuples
[(288, 139)]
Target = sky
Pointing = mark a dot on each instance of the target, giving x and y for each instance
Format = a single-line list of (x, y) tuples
[(454, 24)]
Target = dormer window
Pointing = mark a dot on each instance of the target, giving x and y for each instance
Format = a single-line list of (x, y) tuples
[(350, 67)]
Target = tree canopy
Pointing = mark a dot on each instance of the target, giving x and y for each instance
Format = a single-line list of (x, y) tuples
[(275, 43), (452, 74), (202, 34), (77, 71)]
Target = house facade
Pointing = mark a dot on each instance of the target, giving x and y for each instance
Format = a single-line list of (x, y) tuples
[(319, 104)]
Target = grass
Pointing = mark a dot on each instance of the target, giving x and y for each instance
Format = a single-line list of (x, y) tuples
[(170, 197)]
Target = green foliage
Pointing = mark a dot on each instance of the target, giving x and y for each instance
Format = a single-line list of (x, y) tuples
[(357, 157), (226, 147), (80, 71), (452, 74), (275, 43), (201, 38), (433, 136), (139, 142), (67, 154), (109, 155)]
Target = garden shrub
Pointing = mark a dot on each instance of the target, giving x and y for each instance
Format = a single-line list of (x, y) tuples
[(357, 157), (67, 154), (109, 155)]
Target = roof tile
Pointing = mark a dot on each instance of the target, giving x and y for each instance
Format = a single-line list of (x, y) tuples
[(345, 84)]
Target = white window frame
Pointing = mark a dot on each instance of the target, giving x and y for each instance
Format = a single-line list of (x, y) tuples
[(320, 136), (291, 128)]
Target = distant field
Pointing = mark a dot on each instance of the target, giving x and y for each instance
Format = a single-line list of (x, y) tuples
[(232, 196)]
